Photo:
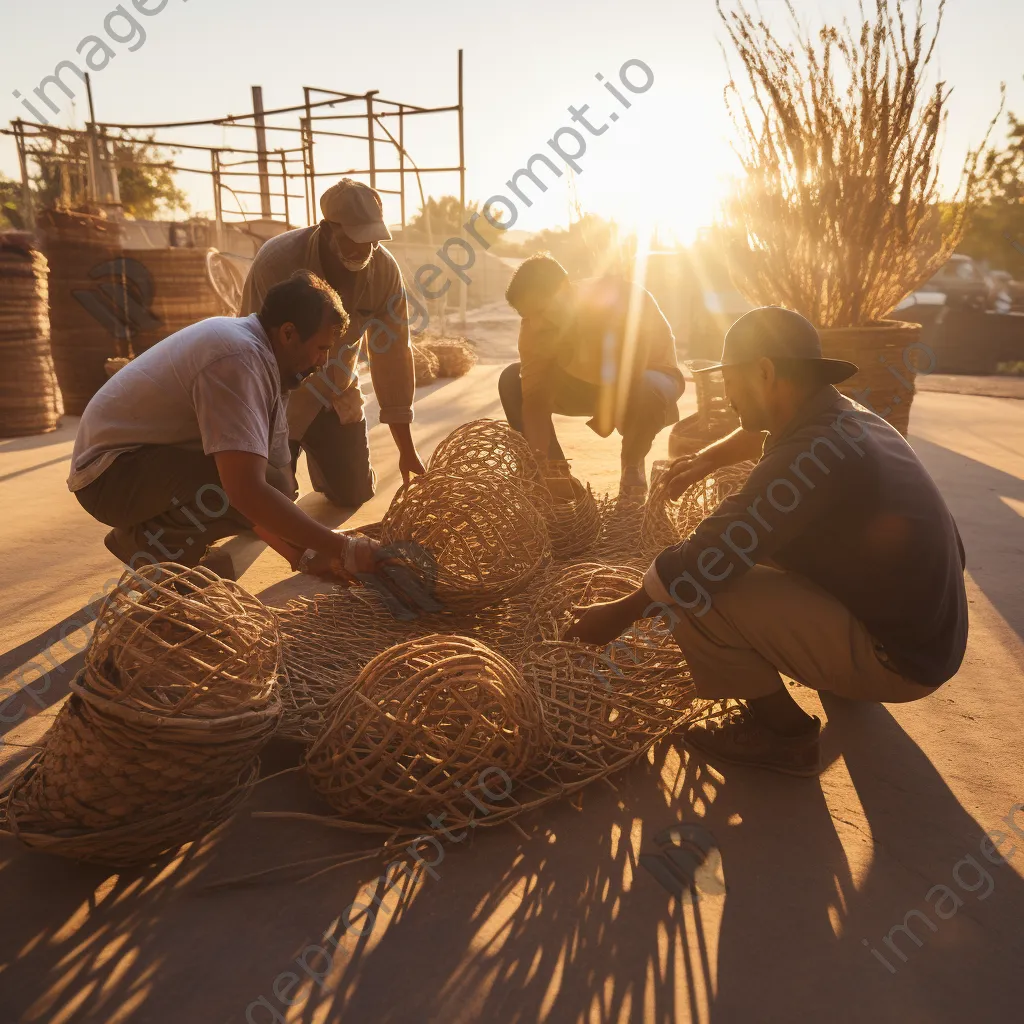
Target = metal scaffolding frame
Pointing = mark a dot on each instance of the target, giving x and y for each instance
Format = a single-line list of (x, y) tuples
[(260, 165)]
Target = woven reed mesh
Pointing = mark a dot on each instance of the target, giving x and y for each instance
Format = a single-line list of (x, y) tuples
[(553, 609), (425, 366), (603, 709), (455, 356), (486, 539), (30, 398), (489, 447), (667, 521), (134, 767), (421, 722), (177, 641)]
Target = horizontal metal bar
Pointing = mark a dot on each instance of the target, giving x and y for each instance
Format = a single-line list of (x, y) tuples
[(390, 170), (386, 113)]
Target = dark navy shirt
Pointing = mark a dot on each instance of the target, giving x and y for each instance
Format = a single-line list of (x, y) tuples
[(841, 498)]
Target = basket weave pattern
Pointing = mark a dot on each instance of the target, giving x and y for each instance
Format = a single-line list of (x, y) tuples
[(135, 766), (30, 399), (486, 538), (422, 721)]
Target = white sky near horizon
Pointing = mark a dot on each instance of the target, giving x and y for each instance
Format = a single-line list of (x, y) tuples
[(666, 159)]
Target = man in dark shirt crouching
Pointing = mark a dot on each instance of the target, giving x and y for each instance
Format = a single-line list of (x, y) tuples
[(838, 564)]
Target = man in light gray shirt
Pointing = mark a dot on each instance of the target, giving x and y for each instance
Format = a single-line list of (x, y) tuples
[(189, 442)]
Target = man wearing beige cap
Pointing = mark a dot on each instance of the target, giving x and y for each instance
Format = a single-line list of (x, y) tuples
[(325, 415)]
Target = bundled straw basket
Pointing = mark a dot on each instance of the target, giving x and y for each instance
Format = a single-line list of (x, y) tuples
[(30, 398), (80, 249), (159, 741)]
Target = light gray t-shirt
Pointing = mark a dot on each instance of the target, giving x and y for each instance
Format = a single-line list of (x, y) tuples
[(215, 386)]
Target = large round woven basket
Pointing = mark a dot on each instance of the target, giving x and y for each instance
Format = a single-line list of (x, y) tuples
[(84, 329), (889, 353), (485, 538), (424, 721), (30, 399), (160, 739), (183, 292), (486, 446)]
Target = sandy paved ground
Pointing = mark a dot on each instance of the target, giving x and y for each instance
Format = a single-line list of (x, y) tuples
[(562, 926)]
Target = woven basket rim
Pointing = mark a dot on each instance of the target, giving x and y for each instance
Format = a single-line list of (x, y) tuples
[(153, 720), (874, 327)]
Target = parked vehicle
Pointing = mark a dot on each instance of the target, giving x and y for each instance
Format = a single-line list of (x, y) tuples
[(962, 283)]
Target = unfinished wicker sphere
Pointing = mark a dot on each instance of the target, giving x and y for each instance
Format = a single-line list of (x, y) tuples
[(573, 525), (422, 722), (425, 366), (578, 586), (455, 356), (486, 446), (667, 521), (602, 709), (181, 641), (485, 537)]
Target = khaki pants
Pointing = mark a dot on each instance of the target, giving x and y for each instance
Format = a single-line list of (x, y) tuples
[(772, 622)]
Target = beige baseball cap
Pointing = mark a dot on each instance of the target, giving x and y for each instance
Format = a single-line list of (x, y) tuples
[(357, 208)]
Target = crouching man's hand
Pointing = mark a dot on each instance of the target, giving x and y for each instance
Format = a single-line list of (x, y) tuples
[(600, 624)]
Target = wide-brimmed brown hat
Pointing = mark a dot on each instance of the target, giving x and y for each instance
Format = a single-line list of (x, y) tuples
[(771, 332)]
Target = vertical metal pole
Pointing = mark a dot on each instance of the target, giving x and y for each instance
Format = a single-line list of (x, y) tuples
[(462, 189), (284, 182), (218, 212), (313, 219), (92, 167), (370, 134), (26, 190), (261, 151), (401, 159)]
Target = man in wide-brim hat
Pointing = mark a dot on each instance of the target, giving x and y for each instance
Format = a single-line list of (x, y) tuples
[(837, 564)]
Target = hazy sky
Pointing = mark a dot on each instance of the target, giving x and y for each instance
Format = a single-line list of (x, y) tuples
[(525, 64)]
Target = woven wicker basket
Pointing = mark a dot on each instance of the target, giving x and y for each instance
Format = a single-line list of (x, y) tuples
[(425, 366), (78, 248), (424, 720), (183, 292), (160, 740), (455, 356), (885, 353), (30, 399)]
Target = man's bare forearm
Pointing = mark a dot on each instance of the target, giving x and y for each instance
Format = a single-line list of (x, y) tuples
[(266, 507), (738, 446), (402, 435)]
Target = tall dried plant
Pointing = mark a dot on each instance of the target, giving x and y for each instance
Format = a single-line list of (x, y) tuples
[(837, 214)]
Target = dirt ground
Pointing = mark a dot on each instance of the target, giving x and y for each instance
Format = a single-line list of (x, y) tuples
[(559, 925)]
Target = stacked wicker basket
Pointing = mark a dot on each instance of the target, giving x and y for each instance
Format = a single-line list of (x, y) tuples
[(30, 399), (183, 292), (159, 741), (80, 249)]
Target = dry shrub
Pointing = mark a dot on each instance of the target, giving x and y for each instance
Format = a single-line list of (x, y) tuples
[(838, 212)]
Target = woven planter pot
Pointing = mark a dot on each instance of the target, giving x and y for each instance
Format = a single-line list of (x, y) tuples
[(886, 354)]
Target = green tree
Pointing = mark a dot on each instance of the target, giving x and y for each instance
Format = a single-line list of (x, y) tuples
[(995, 232), (146, 181), (145, 176), (11, 213)]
